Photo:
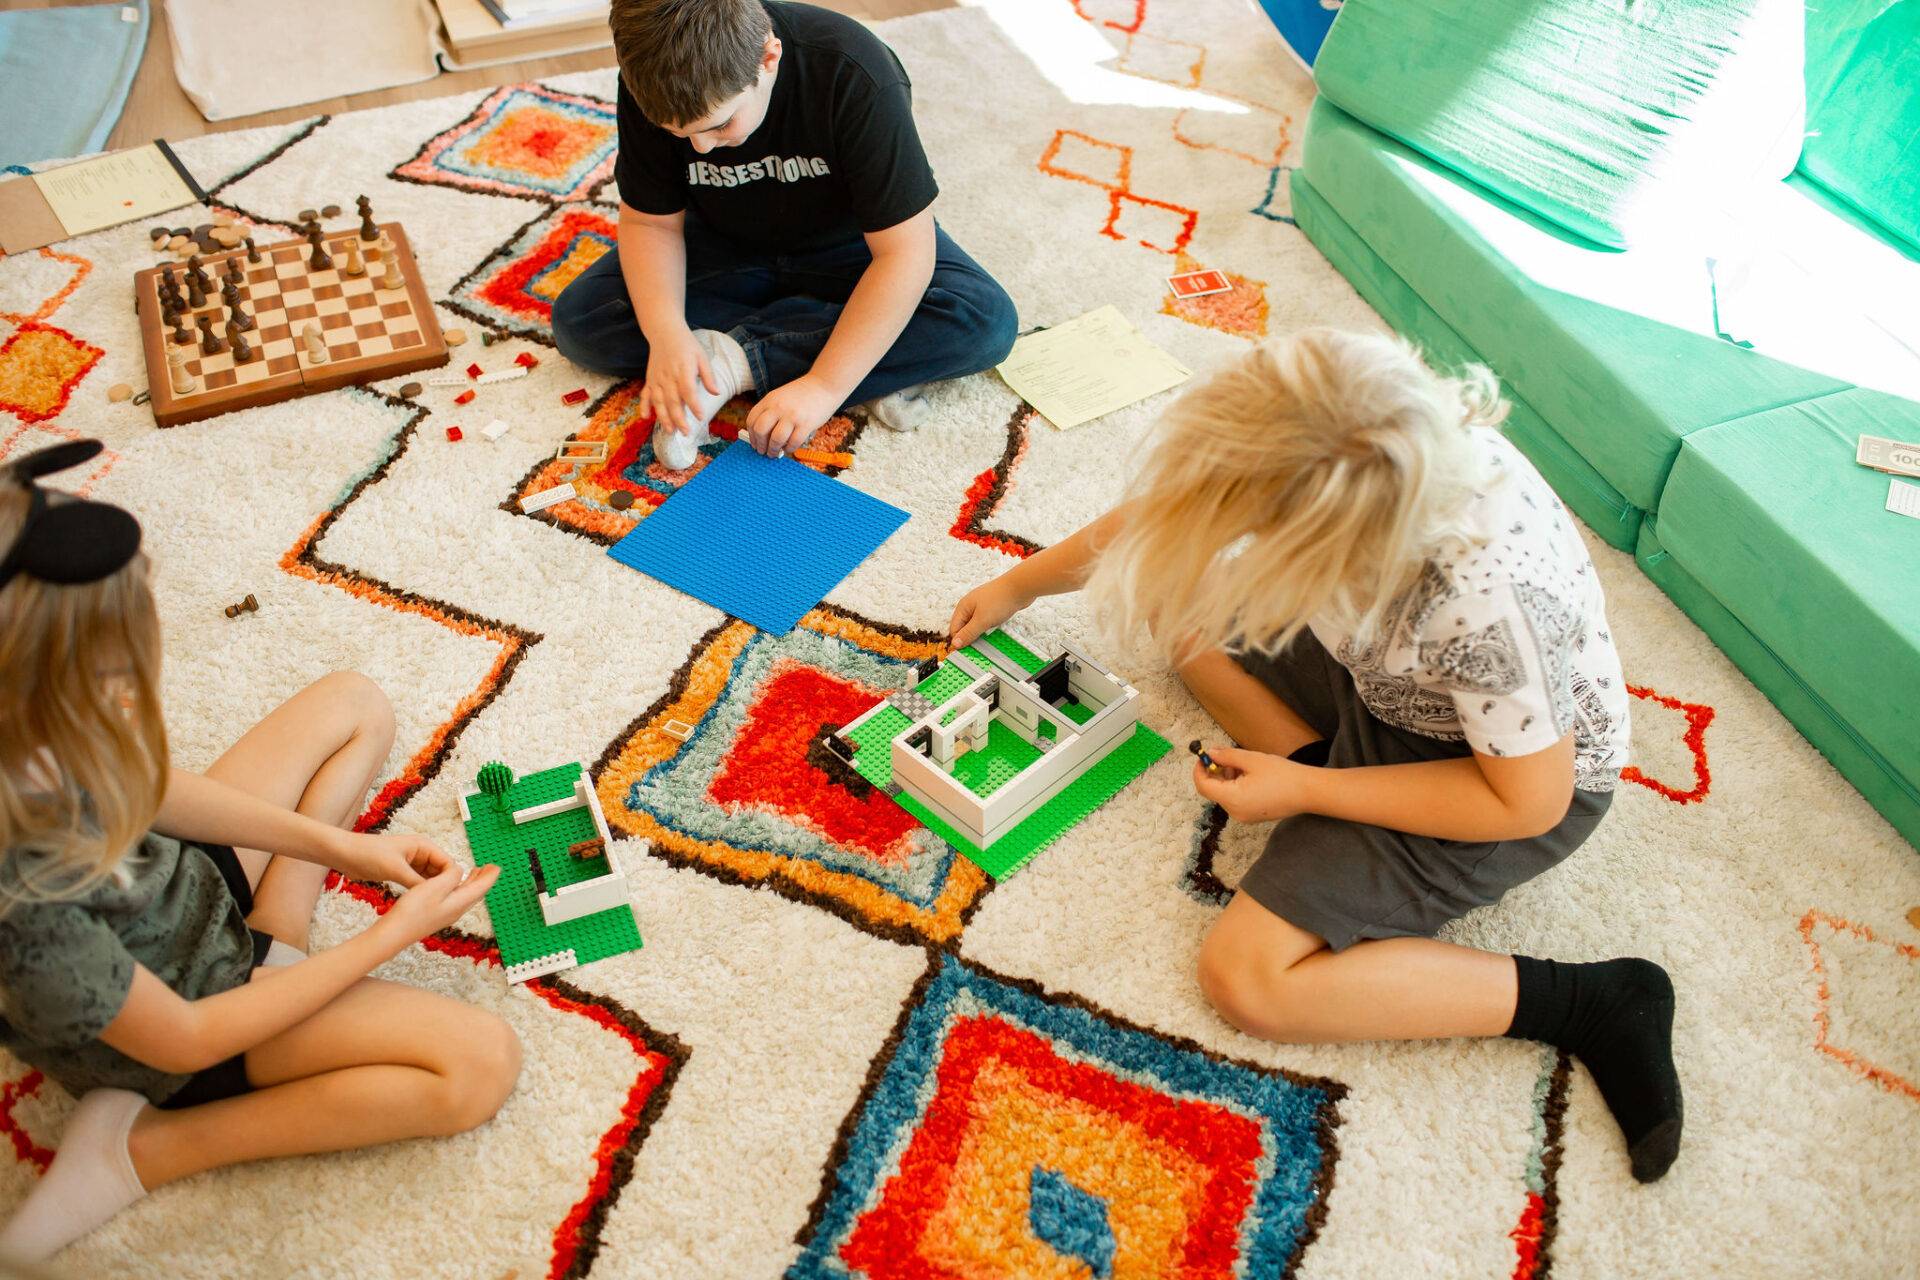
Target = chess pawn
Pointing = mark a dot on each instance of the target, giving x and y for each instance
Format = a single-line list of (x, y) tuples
[(242, 352), (354, 267), (367, 230), (183, 383), (318, 260), (196, 296), (210, 344), (197, 274), (181, 334), (245, 321), (316, 344), (253, 254), (230, 294)]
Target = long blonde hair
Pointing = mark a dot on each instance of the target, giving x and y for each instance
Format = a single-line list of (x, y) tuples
[(1313, 478), (83, 749)]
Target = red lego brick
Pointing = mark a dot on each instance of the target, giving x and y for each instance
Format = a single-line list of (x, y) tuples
[(465, 397), (453, 433), (527, 359), (473, 371), (576, 396)]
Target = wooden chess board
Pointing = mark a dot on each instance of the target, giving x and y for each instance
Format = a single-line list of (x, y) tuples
[(370, 332)]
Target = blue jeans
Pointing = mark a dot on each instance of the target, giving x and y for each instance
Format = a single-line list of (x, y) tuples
[(781, 308)]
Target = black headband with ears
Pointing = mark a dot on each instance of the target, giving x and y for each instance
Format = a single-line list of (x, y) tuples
[(73, 540)]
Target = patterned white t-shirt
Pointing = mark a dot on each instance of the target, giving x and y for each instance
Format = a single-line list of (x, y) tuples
[(1505, 643)]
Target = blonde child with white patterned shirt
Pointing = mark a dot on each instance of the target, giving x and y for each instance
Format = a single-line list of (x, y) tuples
[(1387, 609)]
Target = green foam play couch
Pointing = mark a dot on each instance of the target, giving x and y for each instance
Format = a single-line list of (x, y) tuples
[(1687, 238)]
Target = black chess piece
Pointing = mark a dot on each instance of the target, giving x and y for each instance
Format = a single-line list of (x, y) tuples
[(210, 344), (367, 230), (318, 261), (196, 296), (241, 318), (253, 254), (233, 271), (197, 274), (181, 334), (230, 294), (242, 352)]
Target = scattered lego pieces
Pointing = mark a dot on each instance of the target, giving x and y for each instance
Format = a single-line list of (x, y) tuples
[(495, 429), (474, 371), (409, 390), (576, 396), (504, 375), (526, 359), (448, 380), (677, 729), (488, 337), (1913, 917), (547, 497), (454, 337), (453, 433), (119, 393), (249, 605), (493, 780), (572, 450), (465, 397), (594, 848), (620, 499)]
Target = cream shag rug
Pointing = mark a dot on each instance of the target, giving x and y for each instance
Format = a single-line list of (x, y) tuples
[(840, 1047)]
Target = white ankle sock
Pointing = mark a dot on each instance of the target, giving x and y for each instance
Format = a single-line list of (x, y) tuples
[(731, 373), (90, 1180), (903, 410)]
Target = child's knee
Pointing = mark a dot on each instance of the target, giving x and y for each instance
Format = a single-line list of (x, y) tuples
[(368, 704), (481, 1074), (1241, 989)]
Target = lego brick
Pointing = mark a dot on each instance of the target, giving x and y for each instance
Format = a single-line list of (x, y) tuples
[(581, 451), (502, 375), (540, 966), (526, 359), (677, 729), (473, 371), (533, 813), (465, 397), (453, 433), (519, 925), (495, 429), (547, 497), (576, 396), (759, 501)]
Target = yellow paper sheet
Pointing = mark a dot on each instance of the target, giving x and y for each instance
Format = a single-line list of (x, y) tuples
[(1089, 366), (112, 189)]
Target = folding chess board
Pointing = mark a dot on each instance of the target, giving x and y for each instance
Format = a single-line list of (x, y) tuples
[(370, 332)]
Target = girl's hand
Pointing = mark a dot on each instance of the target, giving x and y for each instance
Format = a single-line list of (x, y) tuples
[(403, 859), (982, 609), (432, 905), (1264, 787)]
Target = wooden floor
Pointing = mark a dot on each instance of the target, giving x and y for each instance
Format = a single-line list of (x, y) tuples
[(157, 108)]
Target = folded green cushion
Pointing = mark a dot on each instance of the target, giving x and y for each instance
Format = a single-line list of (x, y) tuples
[(1772, 516), (1863, 126), (1609, 117), (1617, 351)]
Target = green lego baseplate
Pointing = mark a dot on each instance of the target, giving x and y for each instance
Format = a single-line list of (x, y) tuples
[(519, 929), (977, 770)]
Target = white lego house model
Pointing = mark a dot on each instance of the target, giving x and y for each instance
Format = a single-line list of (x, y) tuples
[(1027, 704)]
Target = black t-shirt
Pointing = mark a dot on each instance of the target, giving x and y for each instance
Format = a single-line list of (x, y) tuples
[(837, 154)]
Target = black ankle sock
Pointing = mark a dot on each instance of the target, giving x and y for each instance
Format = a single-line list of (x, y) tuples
[(1617, 1017)]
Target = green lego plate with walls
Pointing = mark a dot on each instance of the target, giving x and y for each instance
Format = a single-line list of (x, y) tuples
[(1005, 753), (521, 932)]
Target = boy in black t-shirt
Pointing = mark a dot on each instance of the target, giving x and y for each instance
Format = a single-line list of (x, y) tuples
[(776, 230)]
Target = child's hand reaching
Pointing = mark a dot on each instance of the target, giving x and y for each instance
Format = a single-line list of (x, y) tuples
[(677, 372), (982, 609), (433, 904), (787, 416), (1252, 786), (405, 860)]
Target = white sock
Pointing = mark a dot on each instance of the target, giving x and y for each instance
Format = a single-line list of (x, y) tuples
[(728, 360), (903, 410), (90, 1180)]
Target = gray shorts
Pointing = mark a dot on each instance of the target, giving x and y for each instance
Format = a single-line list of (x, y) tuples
[(1347, 881)]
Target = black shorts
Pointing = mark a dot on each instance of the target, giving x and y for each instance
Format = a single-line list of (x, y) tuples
[(225, 1079), (1348, 881)]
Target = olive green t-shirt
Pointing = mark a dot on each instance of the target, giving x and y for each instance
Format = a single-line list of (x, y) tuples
[(66, 966)]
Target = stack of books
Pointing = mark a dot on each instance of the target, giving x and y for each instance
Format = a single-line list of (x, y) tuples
[(480, 33)]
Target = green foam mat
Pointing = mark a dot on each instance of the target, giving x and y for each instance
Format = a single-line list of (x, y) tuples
[(519, 929), (874, 762)]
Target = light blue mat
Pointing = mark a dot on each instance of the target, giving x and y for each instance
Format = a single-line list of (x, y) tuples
[(64, 76)]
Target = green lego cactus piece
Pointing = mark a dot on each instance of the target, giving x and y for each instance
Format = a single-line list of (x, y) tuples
[(982, 771), (519, 928), (493, 779)]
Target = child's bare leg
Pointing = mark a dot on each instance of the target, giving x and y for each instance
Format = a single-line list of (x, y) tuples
[(380, 1063), (317, 752), (1252, 714), (1275, 980)]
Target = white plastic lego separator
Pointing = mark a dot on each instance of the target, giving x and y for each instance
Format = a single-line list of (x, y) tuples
[(583, 796), (541, 966)]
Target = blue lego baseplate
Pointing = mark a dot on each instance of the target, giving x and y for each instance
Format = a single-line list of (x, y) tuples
[(763, 539)]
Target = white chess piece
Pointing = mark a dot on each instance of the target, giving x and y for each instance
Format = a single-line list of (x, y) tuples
[(183, 381), (316, 344), (392, 279)]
